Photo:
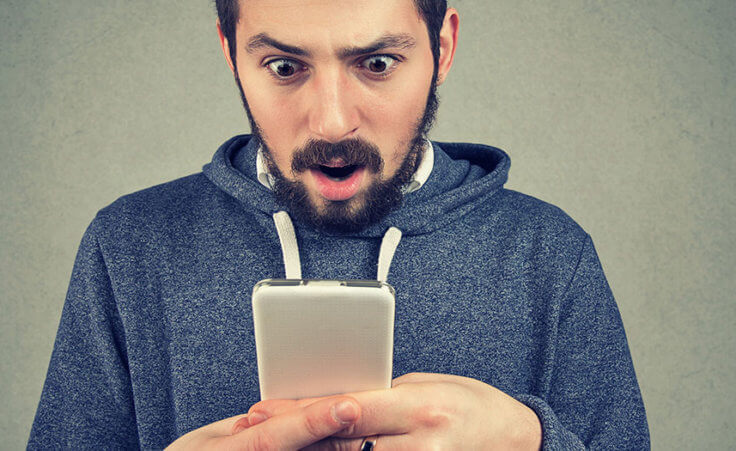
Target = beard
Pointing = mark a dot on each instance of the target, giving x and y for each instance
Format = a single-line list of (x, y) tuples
[(382, 197)]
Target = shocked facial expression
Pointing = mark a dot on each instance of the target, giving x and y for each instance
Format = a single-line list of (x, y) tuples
[(340, 95)]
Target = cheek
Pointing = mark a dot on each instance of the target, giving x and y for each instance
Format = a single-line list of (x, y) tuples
[(275, 115), (396, 116), (270, 112), (402, 103)]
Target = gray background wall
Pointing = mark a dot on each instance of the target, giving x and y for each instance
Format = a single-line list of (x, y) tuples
[(622, 113)]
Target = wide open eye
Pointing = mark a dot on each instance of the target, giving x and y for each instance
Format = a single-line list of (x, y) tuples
[(284, 68), (379, 64)]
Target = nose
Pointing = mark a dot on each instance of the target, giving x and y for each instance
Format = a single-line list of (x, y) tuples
[(333, 106)]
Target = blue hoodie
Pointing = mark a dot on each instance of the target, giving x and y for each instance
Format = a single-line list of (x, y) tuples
[(156, 335)]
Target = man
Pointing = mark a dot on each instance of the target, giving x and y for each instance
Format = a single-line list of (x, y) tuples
[(507, 335)]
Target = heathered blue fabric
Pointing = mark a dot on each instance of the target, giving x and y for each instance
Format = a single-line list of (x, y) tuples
[(156, 335)]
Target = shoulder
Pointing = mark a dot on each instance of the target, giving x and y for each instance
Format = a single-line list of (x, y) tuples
[(521, 214), (537, 215), (534, 230), (157, 210), (160, 200)]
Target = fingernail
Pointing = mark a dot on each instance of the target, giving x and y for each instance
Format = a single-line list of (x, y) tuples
[(238, 428), (255, 418), (345, 412)]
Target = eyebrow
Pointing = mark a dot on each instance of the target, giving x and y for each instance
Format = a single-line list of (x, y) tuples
[(400, 41)]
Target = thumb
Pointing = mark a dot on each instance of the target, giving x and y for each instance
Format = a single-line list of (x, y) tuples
[(298, 428)]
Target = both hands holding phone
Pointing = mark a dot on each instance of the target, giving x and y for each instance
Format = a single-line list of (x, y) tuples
[(314, 338), (420, 411)]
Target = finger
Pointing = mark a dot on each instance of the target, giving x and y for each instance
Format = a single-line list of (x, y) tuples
[(415, 378), (273, 407), (261, 411), (335, 444), (243, 422), (301, 427), (248, 420), (389, 411), (224, 427)]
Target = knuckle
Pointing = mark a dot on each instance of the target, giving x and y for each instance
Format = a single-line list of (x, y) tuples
[(433, 417), (314, 426), (350, 430), (336, 444), (263, 440), (345, 445)]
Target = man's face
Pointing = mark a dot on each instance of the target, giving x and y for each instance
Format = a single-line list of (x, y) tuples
[(339, 95)]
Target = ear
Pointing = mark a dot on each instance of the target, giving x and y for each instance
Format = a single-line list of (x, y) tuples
[(225, 47), (448, 43)]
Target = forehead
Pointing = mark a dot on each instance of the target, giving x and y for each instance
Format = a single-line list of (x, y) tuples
[(323, 24)]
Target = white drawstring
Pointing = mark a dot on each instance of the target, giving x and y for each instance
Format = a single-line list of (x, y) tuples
[(388, 247), (290, 250)]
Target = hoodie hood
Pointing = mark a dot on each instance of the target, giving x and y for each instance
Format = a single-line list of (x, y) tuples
[(463, 176)]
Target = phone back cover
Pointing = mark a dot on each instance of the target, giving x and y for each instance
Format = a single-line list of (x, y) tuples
[(322, 338)]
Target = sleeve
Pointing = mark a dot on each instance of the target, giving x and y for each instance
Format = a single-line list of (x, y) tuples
[(593, 399), (87, 400)]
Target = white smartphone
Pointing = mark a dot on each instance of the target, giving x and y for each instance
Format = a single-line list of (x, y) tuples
[(322, 337)]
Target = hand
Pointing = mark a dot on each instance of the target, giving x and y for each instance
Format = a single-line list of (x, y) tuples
[(297, 428), (429, 411)]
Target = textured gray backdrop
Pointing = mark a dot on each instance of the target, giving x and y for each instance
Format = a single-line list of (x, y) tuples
[(622, 113)]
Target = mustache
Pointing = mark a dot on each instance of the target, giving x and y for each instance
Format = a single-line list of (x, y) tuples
[(354, 151)]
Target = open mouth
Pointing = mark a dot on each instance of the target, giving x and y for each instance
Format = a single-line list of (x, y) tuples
[(337, 181), (338, 173)]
